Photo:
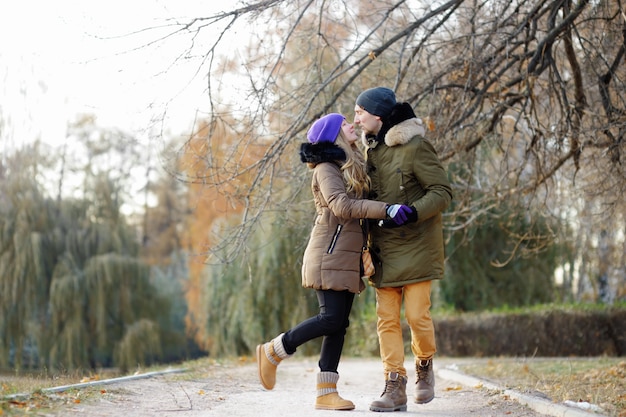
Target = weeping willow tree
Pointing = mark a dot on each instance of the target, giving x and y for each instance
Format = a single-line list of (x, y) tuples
[(101, 299), (28, 253), (260, 294), (477, 275), (105, 313), (27, 256), (73, 292)]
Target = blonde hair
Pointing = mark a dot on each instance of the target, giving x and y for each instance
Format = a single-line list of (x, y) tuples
[(354, 169)]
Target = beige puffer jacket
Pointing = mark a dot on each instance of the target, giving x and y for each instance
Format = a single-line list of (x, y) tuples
[(332, 257)]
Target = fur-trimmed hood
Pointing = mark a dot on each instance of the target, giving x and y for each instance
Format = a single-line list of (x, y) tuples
[(399, 128), (321, 152), (404, 131)]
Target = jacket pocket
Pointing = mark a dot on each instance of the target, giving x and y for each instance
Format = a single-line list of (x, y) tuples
[(333, 241)]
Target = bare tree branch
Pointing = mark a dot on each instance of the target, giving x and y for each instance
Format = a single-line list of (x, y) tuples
[(513, 86)]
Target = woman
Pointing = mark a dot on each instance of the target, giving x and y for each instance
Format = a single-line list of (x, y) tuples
[(331, 263)]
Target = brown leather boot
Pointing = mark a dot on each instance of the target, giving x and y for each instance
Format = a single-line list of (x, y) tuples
[(327, 396), (393, 397), (268, 356), (425, 385)]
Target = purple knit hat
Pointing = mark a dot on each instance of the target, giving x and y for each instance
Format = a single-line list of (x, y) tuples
[(325, 129)]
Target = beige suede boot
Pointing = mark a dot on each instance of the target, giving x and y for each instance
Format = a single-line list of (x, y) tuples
[(327, 396), (268, 356)]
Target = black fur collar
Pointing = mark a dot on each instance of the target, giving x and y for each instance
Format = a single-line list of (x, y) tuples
[(399, 113), (321, 152)]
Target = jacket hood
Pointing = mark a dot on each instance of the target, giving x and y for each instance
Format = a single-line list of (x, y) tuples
[(399, 128), (403, 132), (321, 152)]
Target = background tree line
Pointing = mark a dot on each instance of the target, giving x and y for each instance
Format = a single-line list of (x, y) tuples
[(525, 104)]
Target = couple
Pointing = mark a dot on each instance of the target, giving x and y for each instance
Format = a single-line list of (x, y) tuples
[(409, 189)]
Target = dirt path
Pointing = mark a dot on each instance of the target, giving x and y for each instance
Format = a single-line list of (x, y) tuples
[(235, 391)]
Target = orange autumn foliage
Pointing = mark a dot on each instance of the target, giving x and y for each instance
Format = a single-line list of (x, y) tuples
[(218, 164)]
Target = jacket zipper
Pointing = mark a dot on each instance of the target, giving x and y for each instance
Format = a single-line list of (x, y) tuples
[(402, 187), (335, 237)]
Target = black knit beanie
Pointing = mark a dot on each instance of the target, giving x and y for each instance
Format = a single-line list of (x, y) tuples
[(377, 101)]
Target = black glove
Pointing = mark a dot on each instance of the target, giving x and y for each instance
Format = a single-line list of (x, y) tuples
[(408, 212)]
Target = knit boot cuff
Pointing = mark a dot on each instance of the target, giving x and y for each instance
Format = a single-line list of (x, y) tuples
[(279, 348), (326, 383)]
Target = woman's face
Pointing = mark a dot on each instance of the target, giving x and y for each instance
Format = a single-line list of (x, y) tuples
[(348, 131)]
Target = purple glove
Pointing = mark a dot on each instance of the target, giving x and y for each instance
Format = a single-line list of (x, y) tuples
[(399, 213), (393, 222)]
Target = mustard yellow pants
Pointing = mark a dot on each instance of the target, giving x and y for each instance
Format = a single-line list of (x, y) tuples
[(417, 313)]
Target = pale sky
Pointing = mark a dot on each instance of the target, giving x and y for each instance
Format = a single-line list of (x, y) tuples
[(60, 58)]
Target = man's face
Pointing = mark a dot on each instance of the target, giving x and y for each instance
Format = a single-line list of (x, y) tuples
[(368, 123)]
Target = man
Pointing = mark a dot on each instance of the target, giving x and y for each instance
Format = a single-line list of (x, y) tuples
[(404, 168)]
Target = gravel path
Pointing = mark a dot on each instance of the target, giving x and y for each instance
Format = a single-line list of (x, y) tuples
[(235, 391)]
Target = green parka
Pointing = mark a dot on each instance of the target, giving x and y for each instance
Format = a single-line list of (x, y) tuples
[(405, 169), (333, 254)]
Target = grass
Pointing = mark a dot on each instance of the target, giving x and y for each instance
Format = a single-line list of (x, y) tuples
[(23, 393), (600, 381)]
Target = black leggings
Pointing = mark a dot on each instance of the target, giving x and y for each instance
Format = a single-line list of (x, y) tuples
[(331, 322)]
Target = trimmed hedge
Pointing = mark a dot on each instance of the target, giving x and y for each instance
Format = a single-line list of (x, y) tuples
[(554, 332), (546, 331)]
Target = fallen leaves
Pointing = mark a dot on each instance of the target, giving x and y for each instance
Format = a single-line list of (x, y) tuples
[(599, 381), (91, 378), (38, 401)]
